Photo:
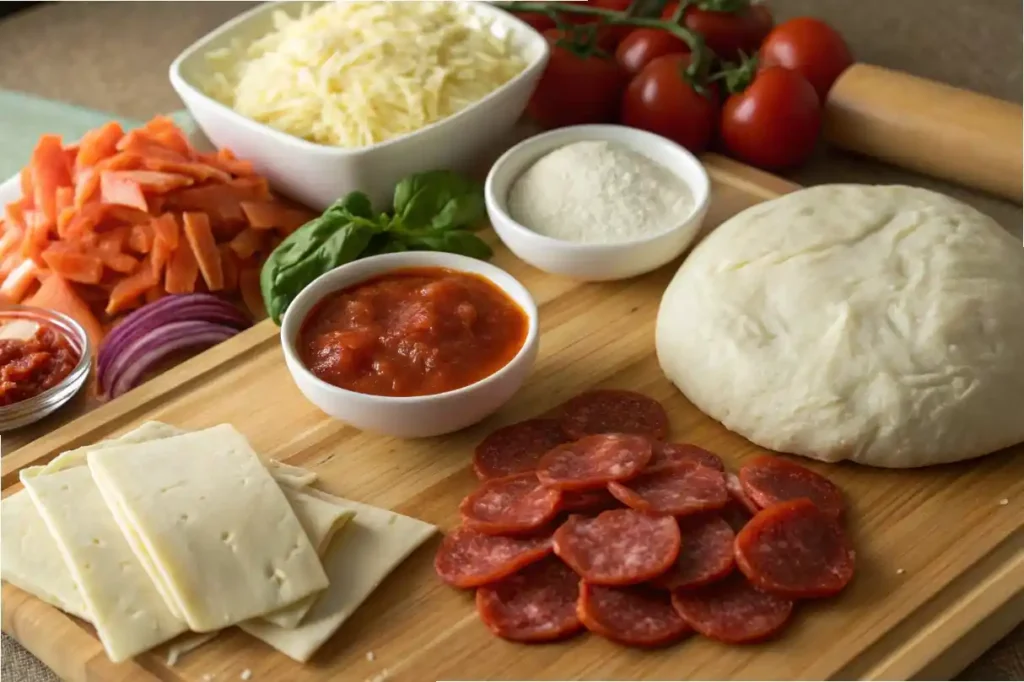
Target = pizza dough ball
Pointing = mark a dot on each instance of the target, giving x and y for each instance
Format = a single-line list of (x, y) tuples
[(879, 324)]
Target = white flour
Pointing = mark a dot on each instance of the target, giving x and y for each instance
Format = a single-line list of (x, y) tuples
[(598, 193)]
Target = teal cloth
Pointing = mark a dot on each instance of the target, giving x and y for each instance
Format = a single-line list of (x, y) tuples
[(23, 118)]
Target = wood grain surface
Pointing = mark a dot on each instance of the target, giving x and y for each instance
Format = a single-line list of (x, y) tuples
[(941, 560)]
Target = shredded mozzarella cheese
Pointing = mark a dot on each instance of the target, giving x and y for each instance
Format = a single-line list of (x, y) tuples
[(353, 74)]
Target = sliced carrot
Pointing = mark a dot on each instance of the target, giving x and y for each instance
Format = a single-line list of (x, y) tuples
[(127, 214), (49, 171), (182, 271), (225, 160), (121, 161), (165, 228), (163, 130), (221, 202), (28, 191), (140, 239), (246, 243), (98, 144), (17, 284), (10, 240), (200, 238), (195, 170), (64, 198), (155, 294), (87, 184), (75, 267), (249, 285), (269, 215), (126, 293), (116, 189), (119, 262), (37, 236), (114, 240), (8, 263), (231, 264), (56, 293), (14, 216), (150, 181)]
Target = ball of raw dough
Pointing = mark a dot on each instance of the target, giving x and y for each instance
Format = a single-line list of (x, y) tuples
[(879, 324)]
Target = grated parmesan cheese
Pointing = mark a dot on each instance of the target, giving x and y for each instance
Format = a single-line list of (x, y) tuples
[(353, 74)]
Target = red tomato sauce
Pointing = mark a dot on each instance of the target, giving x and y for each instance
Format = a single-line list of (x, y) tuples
[(30, 366), (416, 331)]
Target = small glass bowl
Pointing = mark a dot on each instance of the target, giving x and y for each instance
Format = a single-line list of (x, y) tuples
[(33, 409)]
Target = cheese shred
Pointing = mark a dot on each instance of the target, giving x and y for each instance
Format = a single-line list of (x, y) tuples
[(352, 74)]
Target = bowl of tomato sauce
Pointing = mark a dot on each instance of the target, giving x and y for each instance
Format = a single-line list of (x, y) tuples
[(44, 361), (412, 344)]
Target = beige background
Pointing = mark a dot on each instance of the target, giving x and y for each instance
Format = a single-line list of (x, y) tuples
[(114, 57)]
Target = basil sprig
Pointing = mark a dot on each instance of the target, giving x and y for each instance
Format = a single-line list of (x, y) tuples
[(433, 211)]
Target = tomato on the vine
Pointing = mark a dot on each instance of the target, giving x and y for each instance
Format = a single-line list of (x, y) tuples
[(811, 47), (662, 100), (726, 33), (610, 35), (774, 123), (538, 20), (644, 45), (576, 87)]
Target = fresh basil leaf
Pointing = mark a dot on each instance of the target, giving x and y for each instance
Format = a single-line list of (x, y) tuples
[(355, 204), (438, 200), (326, 249), (462, 242)]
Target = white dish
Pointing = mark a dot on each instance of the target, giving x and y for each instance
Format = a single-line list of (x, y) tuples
[(596, 262), (316, 175), (416, 416)]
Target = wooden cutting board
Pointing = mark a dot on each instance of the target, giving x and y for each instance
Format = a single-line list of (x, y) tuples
[(940, 573)]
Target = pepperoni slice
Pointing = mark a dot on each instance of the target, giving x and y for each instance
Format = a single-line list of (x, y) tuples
[(588, 501), (537, 604), (635, 616), (795, 550), (735, 488), (516, 448), (685, 488), (618, 547), (613, 411), (670, 454), (733, 611), (705, 556), (769, 480), (594, 461), (512, 505), (468, 558)]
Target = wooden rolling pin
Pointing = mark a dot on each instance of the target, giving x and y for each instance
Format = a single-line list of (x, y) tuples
[(929, 127)]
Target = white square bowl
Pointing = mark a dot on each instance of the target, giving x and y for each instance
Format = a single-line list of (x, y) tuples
[(315, 174)]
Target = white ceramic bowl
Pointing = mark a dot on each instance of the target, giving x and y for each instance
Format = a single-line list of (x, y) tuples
[(417, 416), (596, 262), (317, 175)]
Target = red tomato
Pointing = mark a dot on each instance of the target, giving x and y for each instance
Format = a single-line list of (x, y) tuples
[(727, 34), (811, 47), (661, 100), (774, 123), (610, 36), (538, 20), (645, 44), (575, 90)]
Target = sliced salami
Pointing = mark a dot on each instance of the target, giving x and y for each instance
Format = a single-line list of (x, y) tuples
[(678, 490), (795, 550), (468, 558), (516, 448), (733, 611), (594, 461), (618, 547), (735, 488), (706, 554), (634, 616), (510, 505), (536, 604), (614, 411), (769, 480), (588, 501), (669, 454)]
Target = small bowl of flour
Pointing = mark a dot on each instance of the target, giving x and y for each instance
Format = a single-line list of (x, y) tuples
[(597, 202)]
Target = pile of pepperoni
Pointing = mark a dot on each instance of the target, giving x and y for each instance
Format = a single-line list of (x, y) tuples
[(592, 521)]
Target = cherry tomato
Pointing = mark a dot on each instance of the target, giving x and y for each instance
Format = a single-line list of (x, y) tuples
[(811, 47), (661, 100), (538, 20), (575, 90), (643, 45), (774, 123), (727, 34)]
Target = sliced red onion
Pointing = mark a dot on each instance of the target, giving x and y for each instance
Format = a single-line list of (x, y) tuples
[(152, 347), (195, 307)]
